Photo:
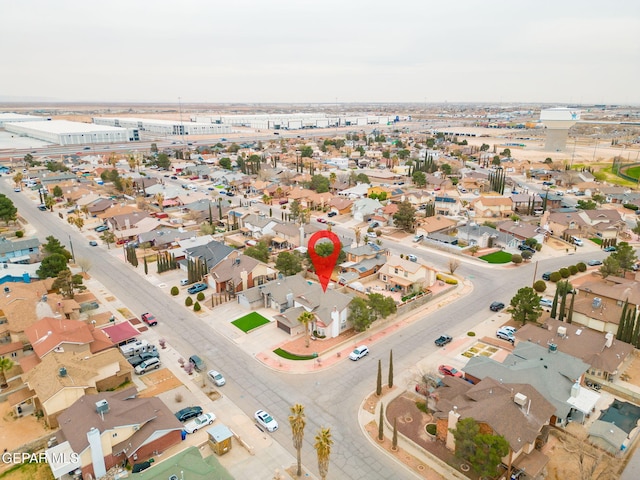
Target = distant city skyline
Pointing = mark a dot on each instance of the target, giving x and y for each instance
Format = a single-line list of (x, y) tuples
[(296, 51)]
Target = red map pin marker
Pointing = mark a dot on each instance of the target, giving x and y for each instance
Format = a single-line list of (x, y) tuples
[(324, 265)]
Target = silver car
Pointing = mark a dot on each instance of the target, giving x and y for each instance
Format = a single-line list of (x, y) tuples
[(216, 377)]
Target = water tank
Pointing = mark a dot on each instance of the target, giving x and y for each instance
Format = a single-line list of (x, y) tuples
[(597, 301), (553, 347), (62, 372)]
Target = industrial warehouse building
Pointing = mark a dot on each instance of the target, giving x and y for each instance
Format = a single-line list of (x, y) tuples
[(9, 117), (294, 121), (164, 127), (63, 132)]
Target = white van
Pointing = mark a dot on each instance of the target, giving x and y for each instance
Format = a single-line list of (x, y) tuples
[(577, 241)]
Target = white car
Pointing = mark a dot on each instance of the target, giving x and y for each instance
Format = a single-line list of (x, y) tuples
[(546, 302), (199, 422), (216, 377), (265, 420), (372, 235), (359, 352)]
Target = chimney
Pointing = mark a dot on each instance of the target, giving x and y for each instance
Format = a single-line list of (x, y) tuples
[(97, 455), (608, 340), (454, 416)]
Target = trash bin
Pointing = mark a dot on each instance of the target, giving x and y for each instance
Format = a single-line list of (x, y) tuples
[(183, 434)]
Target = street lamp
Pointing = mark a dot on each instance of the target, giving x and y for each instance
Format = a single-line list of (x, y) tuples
[(73, 256)]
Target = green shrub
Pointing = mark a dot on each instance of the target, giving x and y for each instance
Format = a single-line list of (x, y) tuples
[(188, 301), (197, 307), (451, 281), (582, 267), (564, 272), (538, 247), (471, 334), (19, 234), (515, 258), (200, 296), (540, 286), (432, 428), (555, 277), (422, 407), (630, 206), (175, 291), (573, 269)]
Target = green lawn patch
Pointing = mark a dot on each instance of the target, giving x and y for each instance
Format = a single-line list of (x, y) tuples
[(292, 356), (497, 257), (633, 171), (596, 240), (250, 321)]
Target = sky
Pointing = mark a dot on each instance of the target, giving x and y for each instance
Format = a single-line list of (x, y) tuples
[(329, 51)]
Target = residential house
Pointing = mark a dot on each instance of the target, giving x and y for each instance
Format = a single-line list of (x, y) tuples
[(446, 205), (515, 411), (555, 375), (522, 230), (525, 204), (358, 192), (114, 428), (163, 238), (100, 206), (22, 251), (604, 223), (341, 205), (63, 377), (188, 465), (211, 254), (428, 226), (492, 207), (362, 261), (288, 235), (403, 275), (257, 226), (365, 208), (239, 272), (604, 354), (486, 237)]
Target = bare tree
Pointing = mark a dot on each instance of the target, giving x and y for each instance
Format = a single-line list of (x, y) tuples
[(453, 265), (84, 264)]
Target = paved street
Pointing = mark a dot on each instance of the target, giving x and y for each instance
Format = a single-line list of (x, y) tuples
[(332, 396)]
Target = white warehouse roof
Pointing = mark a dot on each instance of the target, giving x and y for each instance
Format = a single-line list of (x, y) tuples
[(66, 127), (7, 117)]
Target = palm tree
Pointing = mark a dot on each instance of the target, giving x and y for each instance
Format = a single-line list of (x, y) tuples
[(6, 364), (49, 202), (323, 449), (85, 210), (306, 318), (358, 233), (160, 201), (297, 422), (332, 179)]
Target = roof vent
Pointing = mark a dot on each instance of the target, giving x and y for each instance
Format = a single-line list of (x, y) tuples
[(62, 372), (553, 347), (597, 301), (562, 331)]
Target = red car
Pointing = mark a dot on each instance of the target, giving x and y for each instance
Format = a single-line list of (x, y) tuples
[(449, 371), (149, 319), (322, 220)]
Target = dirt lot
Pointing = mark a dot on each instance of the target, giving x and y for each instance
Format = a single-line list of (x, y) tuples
[(158, 382), (15, 432)]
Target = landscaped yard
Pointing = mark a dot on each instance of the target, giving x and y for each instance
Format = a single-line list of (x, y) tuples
[(497, 257), (250, 321)]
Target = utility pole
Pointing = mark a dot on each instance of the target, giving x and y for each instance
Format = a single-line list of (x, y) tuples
[(73, 256), (181, 127)]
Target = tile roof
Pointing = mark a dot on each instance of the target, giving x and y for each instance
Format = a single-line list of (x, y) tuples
[(231, 268), (49, 333)]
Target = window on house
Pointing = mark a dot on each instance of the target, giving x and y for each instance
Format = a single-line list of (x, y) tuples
[(395, 270), (14, 354)]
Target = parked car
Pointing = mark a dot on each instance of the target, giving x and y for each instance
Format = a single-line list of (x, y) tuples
[(546, 276), (442, 340), (142, 357), (524, 247), (184, 282), (505, 334), (322, 220), (149, 319), (188, 413), (216, 377), (594, 263), (197, 363), (332, 214), (496, 306), (265, 420), (42, 207), (610, 249), (372, 235), (93, 243), (449, 371), (144, 367), (546, 302), (102, 228), (418, 238), (198, 287), (509, 328), (199, 422), (359, 352), (412, 258)]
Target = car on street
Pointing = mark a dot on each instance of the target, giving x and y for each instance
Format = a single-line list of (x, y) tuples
[(546, 302), (197, 363), (412, 258), (359, 352), (418, 238), (17, 189), (198, 287), (505, 334), (610, 249), (372, 235), (442, 340), (102, 228), (449, 371), (144, 356), (199, 422), (149, 319), (594, 263), (546, 276), (188, 413), (173, 177), (216, 377), (322, 220), (265, 420), (42, 207), (332, 214), (93, 243), (496, 306)]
